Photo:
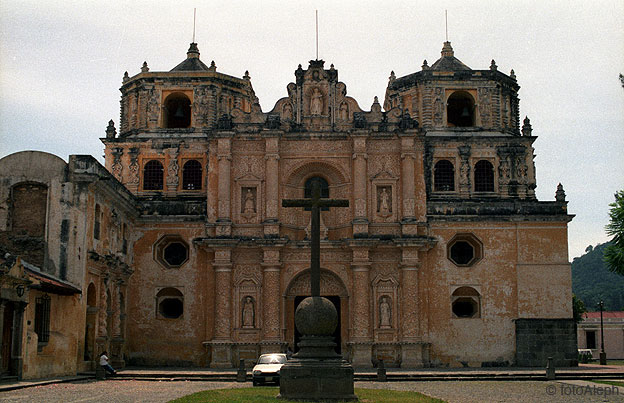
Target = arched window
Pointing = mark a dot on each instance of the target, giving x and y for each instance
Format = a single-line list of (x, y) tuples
[(484, 176), (28, 209), (466, 303), (460, 110), (444, 176), (169, 303), (177, 111), (324, 189), (97, 222), (153, 176), (192, 175)]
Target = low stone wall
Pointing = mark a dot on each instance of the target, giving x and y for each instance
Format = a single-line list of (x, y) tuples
[(538, 339)]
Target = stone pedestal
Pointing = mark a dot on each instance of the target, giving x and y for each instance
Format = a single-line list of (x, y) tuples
[(221, 354), (414, 355), (316, 372), (361, 354), (310, 379)]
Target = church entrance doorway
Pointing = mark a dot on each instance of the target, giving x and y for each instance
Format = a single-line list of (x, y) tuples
[(335, 299), (332, 288)]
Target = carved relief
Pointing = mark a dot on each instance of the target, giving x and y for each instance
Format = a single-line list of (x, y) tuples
[(331, 284), (344, 111), (323, 228), (201, 105), (438, 108), (287, 111), (117, 165), (385, 313), (504, 170), (172, 172), (385, 292), (484, 106), (103, 314), (248, 202), (134, 166), (384, 201), (153, 107), (248, 313), (316, 102)]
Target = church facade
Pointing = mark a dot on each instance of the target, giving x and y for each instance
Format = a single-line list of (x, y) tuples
[(444, 256)]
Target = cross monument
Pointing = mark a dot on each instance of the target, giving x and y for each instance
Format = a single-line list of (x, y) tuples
[(316, 372)]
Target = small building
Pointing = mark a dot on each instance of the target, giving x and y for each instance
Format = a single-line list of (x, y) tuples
[(64, 246), (589, 334)]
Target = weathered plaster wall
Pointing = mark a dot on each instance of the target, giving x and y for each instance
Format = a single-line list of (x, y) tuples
[(159, 341), (59, 356)]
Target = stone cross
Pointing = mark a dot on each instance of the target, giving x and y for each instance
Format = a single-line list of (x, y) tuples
[(315, 204)]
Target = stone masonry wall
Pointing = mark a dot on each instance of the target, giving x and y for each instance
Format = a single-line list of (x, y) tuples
[(538, 339)]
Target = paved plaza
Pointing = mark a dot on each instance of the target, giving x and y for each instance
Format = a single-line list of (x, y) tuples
[(451, 391)]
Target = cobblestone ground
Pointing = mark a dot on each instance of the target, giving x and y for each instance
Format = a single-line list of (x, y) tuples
[(466, 391)]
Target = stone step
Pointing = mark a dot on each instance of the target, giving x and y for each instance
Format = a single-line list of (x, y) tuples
[(391, 377)]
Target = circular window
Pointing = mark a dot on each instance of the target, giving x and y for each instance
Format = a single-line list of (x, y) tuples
[(171, 308), (171, 251), (464, 250), (175, 253)]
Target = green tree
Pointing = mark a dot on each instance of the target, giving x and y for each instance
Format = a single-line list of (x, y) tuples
[(614, 253), (578, 309)]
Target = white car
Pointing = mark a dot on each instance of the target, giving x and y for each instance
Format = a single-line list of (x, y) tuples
[(268, 368)]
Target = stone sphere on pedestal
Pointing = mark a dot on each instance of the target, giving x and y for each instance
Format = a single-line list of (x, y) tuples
[(316, 316)]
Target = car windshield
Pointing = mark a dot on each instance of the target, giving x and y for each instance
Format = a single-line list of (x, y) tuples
[(272, 359)]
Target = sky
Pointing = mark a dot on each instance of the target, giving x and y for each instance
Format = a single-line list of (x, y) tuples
[(62, 63)]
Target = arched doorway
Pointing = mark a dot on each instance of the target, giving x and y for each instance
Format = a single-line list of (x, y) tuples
[(333, 289)]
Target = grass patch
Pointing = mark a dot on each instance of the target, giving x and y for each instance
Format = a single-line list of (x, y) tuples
[(258, 395), (613, 383)]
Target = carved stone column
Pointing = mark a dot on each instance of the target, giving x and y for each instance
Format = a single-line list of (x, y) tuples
[(271, 224), (420, 210), (224, 155), (360, 221), (361, 341), (411, 342), (221, 344), (464, 171), (408, 220), (271, 338)]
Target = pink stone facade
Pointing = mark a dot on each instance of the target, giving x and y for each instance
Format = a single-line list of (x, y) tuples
[(416, 234)]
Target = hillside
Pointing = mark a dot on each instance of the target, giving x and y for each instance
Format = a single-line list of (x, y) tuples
[(592, 281)]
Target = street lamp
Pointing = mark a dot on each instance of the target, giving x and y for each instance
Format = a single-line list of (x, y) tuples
[(603, 355)]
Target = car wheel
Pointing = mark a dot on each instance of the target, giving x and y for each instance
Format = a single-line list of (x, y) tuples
[(255, 383)]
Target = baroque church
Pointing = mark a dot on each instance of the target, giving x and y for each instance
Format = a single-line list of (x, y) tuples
[(178, 252)]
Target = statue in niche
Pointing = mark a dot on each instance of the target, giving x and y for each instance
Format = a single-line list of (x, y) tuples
[(316, 102), (287, 113), (384, 202), (249, 202), (385, 320), (344, 111), (248, 312)]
